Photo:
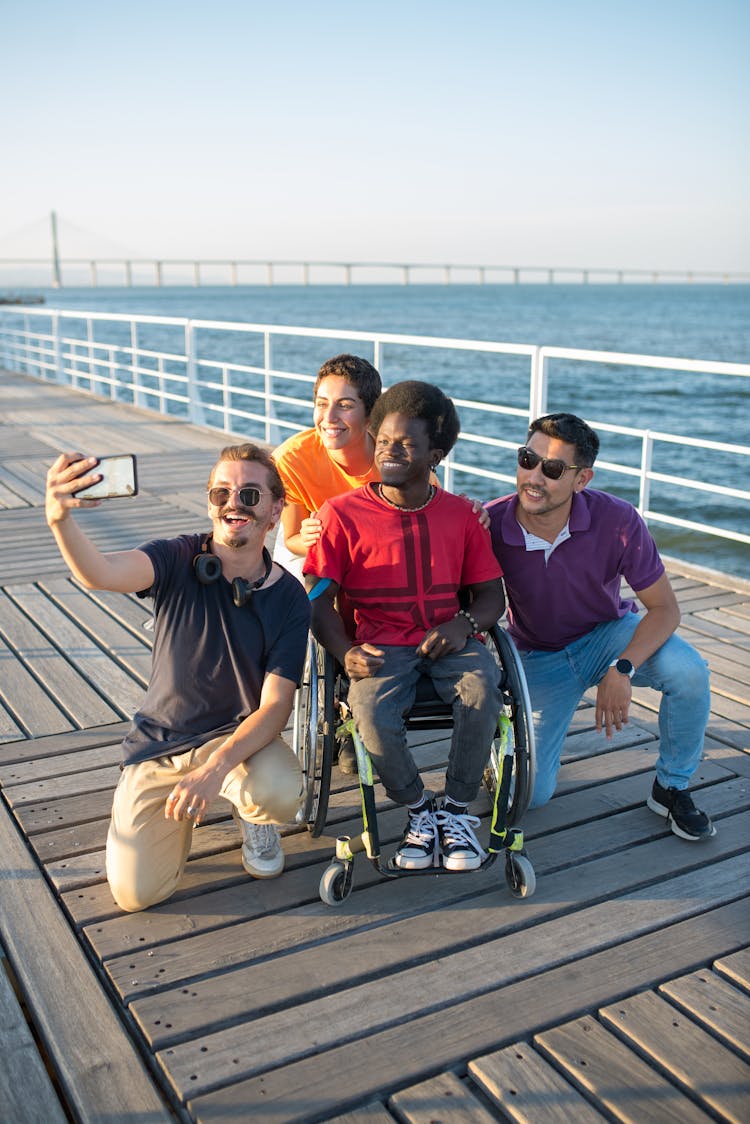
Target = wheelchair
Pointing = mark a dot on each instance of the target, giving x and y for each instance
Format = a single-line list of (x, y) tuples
[(322, 716)]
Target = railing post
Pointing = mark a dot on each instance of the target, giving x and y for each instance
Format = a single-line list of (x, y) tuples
[(267, 384), (226, 397), (647, 455), (59, 373), (112, 373), (27, 343), (134, 363), (538, 384), (92, 367), (195, 410), (447, 466)]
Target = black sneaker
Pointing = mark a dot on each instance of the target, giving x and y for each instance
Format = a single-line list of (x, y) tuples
[(460, 846), (347, 758), (676, 805), (420, 847)]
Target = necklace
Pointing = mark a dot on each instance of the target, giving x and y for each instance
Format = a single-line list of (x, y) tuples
[(400, 507)]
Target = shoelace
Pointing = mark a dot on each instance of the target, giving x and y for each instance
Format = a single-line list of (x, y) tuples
[(262, 838), (458, 831), (422, 829)]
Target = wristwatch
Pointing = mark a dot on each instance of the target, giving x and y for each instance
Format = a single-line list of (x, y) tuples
[(624, 667)]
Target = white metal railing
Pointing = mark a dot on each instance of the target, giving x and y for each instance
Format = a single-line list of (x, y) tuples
[(231, 376)]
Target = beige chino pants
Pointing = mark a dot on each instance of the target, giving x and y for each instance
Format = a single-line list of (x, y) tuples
[(146, 852)]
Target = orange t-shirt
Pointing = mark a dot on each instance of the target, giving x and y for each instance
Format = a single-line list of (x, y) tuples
[(310, 475)]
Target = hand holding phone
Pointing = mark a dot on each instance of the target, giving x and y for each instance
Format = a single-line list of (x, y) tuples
[(119, 478)]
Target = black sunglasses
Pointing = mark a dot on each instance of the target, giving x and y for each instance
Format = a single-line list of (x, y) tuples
[(552, 468), (249, 496)]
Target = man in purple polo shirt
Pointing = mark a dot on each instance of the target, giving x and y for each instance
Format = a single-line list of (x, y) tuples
[(564, 550)]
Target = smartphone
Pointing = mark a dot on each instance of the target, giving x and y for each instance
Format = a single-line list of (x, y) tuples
[(119, 478)]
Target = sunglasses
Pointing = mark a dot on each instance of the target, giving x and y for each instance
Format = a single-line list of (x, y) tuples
[(249, 496), (552, 468)]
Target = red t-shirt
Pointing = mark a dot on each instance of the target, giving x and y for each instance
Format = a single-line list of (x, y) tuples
[(401, 570)]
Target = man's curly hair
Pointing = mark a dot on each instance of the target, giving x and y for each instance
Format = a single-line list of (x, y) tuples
[(423, 400)]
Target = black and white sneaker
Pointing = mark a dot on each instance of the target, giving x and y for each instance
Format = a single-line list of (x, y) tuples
[(676, 805), (420, 846), (460, 846)]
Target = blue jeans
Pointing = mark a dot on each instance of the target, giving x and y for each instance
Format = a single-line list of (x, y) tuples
[(557, 681), (466, 679)]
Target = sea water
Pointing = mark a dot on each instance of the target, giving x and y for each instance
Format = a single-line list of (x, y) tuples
[(698, 321)]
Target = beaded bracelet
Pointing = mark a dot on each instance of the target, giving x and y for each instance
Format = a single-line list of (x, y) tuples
[(474, 626)]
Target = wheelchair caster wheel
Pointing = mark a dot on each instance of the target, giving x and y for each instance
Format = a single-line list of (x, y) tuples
[(519, 874), (336, 884)]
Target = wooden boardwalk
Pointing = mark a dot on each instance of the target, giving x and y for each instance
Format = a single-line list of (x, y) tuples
[(620, 990)]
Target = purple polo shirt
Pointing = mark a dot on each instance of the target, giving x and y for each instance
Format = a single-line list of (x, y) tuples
[(553, 603)]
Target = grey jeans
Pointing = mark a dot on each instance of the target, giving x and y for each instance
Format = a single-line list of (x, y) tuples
[(468, 680)]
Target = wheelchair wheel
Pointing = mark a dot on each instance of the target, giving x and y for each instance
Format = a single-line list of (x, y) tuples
[(335, 885), (516, 723), (314, 736), (519, 874)]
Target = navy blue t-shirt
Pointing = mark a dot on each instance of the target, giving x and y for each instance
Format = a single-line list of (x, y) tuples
[(210, 657)]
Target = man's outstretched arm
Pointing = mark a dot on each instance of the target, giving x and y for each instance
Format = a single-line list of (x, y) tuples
[(124, 571)]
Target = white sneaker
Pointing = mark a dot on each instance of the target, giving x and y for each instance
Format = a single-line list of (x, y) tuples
[(419, 847), (262, 856), (460, 846)]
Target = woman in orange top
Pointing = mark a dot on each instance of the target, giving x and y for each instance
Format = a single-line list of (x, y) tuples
[(332, 457)]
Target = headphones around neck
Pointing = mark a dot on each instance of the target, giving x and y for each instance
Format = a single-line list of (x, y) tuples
[(208, 570)]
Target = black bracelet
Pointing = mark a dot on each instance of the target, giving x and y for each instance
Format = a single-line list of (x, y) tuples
[(474, 626)]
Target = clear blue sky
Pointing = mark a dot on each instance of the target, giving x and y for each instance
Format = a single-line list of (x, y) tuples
[(607, 133)]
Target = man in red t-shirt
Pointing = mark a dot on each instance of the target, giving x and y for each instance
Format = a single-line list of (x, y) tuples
[(400, 551)]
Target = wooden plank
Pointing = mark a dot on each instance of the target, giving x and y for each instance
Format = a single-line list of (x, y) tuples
[(60, 765), (734, 621), (528, 1090), (50, 789), (8, 498), (10, 731), (34, 712), (730, 623), (26, 1092), (52, 844), (120, 689), (373, 1113), (607, 1070), (82, 704), (28, 476), (28, 550), (129, 610), (99, 1068), (690, 1056), (716, 629), (443, 1098), (736, 968), (40, 748), (358, 1010), (66, 812), (713, 1002), (131, 649), (484, 1023)]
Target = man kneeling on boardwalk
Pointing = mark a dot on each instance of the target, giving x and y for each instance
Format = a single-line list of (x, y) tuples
[(230, 633), (564, 548), (400, 551)]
